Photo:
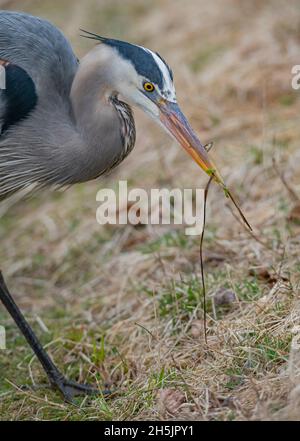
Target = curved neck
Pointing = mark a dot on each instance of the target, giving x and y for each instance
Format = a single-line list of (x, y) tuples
[(96, 117)]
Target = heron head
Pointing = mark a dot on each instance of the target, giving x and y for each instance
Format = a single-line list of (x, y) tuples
[(145, 80)]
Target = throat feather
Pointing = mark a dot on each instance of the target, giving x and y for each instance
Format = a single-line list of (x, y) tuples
[(127, 127)]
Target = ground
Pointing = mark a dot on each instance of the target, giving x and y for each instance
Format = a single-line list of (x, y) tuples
[(124, 305)]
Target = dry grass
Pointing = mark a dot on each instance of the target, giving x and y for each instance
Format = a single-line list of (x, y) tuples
[(123, 305)]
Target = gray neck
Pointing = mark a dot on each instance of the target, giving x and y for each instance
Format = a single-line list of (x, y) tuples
[(97, 119)]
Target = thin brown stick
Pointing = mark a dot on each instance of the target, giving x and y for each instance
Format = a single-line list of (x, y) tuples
[(250, 232), (201, 257), (229, 194)]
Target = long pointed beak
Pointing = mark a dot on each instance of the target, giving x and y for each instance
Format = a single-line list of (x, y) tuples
[(178, 126)]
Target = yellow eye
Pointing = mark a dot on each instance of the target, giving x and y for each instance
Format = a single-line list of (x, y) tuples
[(149, 87)]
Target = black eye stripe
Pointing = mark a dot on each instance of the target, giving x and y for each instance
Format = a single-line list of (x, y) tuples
[(142, 59)]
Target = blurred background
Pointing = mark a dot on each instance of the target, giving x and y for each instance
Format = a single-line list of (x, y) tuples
[(124, 305)]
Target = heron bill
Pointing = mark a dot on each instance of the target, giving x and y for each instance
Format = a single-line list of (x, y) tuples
[(176, 123)]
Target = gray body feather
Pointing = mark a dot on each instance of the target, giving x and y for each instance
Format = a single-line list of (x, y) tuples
[(51, 146)]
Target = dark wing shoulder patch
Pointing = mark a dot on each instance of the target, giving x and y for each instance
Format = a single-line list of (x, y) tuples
[(17, 94)]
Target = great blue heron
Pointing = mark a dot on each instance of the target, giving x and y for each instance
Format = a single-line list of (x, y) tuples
[(62, 121)]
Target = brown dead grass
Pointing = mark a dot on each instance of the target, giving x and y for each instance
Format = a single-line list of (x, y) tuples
[(89, 284)]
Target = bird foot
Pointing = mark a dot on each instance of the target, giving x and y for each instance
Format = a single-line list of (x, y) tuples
[(70, 389)]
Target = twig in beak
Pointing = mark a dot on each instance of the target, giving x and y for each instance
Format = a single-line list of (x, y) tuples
[(201, 258), (228, 194)]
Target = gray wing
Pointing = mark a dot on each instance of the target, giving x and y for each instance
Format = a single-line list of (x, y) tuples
[(39, 66), (40, 49)]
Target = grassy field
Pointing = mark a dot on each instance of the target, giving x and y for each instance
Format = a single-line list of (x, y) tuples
[(123, 305)]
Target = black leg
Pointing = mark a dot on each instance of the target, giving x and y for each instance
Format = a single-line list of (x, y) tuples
[(68, 388)]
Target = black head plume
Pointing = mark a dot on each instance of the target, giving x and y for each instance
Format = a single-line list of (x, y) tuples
[(145, 62)]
